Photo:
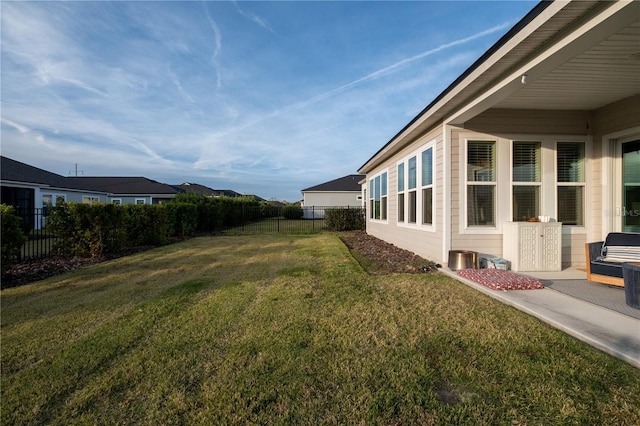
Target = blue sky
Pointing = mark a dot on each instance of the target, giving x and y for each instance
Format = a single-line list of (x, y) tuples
[(264, 98)]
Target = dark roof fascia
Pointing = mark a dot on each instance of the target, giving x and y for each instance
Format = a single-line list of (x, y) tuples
[(533, 13)]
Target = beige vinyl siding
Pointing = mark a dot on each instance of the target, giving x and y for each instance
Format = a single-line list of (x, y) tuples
[(504, 121), (573, 250), (613, 118), (490, 244), (425, 243), (621, 115), (333, 199)]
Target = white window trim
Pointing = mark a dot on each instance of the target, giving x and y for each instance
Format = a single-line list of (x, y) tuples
[(504, 192), (418, 225), (368, 200), (54, 198), (574, 229), (538, 184), (119, 200), (501, 146), (91, 199), (144, 201)]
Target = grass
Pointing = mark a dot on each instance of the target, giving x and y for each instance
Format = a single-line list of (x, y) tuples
[(282, 329)]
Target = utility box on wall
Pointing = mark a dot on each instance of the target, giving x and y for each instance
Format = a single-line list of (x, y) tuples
[(533, 246)]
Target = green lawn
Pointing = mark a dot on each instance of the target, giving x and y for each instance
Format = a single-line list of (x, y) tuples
[(282, 329)]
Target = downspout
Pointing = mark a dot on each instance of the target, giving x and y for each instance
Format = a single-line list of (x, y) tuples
[(446, 191)]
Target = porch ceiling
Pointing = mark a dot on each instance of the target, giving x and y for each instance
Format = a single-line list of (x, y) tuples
[(578, 55), (605, 73)]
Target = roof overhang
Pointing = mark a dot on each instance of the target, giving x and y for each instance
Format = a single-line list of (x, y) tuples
[(579, 55)]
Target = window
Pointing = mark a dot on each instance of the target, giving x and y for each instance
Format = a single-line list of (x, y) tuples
[(50, 200), (378, 197), (116, 201), (401, 192), (481, 183), (90, 200), (570, 182), (415, 188), (526, 180), (427, 187), (140, 201), (411, 186)]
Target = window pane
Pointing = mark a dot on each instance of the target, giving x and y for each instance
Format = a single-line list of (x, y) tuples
[(372, 191), (400, 207), (571, 205), (412, 207), (401, 177), (427, 167), (481, 205), (427, 206), (376, 188), (570, 162), (481, 161), (526, 161), (526, 202), (412, 172), (383, 213), (383, 189), (47, 200)]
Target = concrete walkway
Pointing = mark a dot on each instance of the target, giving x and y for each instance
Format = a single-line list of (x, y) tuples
[(607, 330)]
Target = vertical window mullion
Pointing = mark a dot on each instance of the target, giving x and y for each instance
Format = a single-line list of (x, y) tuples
[(526, 180), (481, 186), (570, 171)]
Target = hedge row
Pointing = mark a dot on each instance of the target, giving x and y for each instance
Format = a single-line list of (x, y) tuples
[(345, 219), (11, 234), (92, 230)]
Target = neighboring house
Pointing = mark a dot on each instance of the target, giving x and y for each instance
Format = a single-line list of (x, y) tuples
[(28, 188), (545, 123), (131, 190), (196, 189), (209, 192), (342, 192)]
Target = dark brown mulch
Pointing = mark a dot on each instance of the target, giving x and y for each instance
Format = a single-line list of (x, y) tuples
[(376, 256), (379, 257), (38, 269)]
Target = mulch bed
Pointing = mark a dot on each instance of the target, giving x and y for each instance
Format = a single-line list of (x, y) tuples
[(497, 279), (385, 258)]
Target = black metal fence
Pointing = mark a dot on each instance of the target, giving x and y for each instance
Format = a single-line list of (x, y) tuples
[(40, 244), (248, 220)]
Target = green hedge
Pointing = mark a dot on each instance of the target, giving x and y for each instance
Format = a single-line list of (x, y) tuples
[(292, 211), (346, 219), (11, 234)]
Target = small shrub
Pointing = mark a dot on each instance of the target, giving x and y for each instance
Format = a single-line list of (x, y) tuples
[(292, 211), (12, 236), (347, 219)]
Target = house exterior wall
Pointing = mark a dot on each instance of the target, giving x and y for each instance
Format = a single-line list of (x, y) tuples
[(619, 121), (422, 240), (434, 243), (332, 199)]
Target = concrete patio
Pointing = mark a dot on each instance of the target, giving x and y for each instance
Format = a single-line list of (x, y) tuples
[(593, 313)]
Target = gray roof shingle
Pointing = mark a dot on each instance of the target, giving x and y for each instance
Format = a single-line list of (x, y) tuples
[(344, 184)]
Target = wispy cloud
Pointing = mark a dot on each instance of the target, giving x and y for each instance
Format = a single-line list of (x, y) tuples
[(210, 93), (254, 18), (217, 39)]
